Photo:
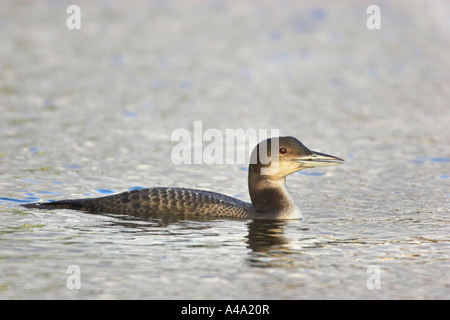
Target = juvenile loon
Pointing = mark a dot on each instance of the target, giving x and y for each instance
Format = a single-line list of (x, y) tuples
[(266, 183)]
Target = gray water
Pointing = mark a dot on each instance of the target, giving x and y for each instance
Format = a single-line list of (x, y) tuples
[(91, 112)]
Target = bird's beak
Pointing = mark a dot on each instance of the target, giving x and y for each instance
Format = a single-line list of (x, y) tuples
[(317, 159)]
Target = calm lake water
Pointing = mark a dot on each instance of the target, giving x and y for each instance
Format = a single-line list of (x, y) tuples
[(91, 112)]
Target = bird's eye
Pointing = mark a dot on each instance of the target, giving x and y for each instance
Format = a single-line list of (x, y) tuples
[(283, 150)]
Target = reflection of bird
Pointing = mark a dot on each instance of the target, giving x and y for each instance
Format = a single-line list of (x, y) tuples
[(264, 235), (271, 161)]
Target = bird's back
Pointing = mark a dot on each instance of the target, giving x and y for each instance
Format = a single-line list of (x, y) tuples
[(158, 201)]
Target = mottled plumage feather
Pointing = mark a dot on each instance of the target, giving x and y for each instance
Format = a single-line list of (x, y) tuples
[(157, 201)]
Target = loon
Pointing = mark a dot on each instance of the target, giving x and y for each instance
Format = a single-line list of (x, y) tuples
[(266, 183)]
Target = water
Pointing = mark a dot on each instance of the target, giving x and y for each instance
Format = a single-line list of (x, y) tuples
[(90, 112)]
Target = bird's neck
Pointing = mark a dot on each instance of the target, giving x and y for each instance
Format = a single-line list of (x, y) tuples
[(270, 197)]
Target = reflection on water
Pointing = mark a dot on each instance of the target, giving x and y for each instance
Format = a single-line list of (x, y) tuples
[(269, 244), (264, 235)]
